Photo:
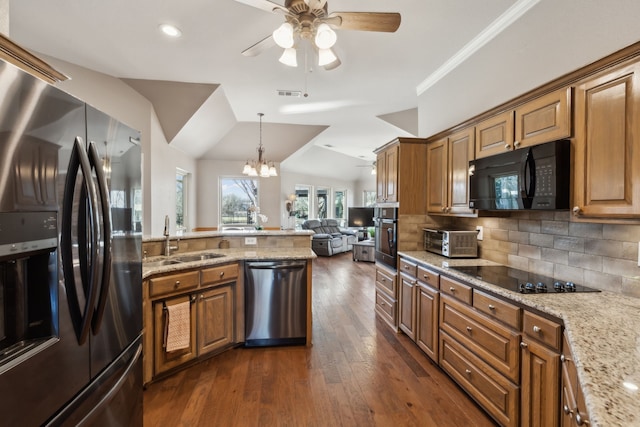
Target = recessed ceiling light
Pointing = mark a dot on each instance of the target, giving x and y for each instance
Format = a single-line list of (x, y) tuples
[(170, 30)]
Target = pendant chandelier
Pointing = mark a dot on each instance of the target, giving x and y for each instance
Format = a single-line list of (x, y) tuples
[(260, 167)]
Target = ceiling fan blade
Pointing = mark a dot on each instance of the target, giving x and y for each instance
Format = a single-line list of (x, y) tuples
[(335, 64), (265, 5), (261, 46), (365, 21)]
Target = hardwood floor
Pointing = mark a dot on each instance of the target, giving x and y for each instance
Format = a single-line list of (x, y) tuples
[(357, 373)]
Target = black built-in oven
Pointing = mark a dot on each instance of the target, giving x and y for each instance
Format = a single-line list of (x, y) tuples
[(386, 225)]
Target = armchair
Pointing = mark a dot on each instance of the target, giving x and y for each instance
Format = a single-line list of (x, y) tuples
[(329, 239)]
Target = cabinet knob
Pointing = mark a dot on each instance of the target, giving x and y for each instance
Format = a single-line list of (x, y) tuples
[(537, 329), (567, 410), (221, 273), (469, 329), (507, 146), (452, 289), (516, 144), (524, 345), (201, 296), (425, 276), (177, 284), (443, 209), (579, 420), (492, 307), (467, 371), (577, 211)]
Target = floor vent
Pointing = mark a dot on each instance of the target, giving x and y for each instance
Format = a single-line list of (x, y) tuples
[(293, 93)]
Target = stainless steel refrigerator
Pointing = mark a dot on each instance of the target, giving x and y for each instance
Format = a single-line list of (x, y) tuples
[(70, 260)]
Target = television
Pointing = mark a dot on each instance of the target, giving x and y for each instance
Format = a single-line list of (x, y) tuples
[(360, 217)]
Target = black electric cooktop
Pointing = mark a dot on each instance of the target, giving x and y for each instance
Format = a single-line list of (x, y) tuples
[(521, 281)]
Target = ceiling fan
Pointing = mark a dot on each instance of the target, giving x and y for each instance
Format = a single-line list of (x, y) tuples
[(309, 20)]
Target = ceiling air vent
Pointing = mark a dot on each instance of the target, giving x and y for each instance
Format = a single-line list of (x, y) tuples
[(293, 93)]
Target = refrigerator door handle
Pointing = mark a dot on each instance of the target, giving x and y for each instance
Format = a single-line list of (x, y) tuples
[(96, 163), (81, 319)]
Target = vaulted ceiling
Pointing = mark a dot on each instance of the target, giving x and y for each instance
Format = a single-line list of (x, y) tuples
[(207, 95)]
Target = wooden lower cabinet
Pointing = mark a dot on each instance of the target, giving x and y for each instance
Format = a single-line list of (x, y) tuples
[(386, 304), (573, 411), (407, 306), (215, 319), (164, 360), (540, 388), (427, 308), (488, 387)]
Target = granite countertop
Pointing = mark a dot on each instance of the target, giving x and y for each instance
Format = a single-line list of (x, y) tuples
[(231, 233), (603, 330), (150, 266)]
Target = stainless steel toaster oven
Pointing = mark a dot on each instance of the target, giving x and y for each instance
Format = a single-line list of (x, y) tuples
[(451, 243)]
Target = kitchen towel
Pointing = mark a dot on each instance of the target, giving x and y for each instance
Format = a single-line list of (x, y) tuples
[(178, 326)]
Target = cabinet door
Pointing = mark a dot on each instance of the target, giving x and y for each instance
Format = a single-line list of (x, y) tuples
[(607, 149), (215, 318), (428, 300), (407, 306), (539, 397), (165, 360), (461, 151), (392, 174), (494, 135), (437, 155), (545, 119), (381, 177)]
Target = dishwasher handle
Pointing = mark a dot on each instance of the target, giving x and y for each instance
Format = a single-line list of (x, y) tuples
[(275, 266)]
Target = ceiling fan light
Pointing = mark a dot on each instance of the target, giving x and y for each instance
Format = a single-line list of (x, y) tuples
[(247, 168), (253, 172), (325, 37), (326, 57), (283, 35), (289, 57), (264, 170)]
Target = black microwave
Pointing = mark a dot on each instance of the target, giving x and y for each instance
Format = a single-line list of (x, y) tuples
[(536, 177)]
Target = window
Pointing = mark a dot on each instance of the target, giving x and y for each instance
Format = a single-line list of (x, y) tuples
[(340, 205), (368, 198), (237, 198), (322, 202), (301, 204), (182, 183)]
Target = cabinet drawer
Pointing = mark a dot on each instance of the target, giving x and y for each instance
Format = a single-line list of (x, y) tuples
[(456, 289), (490, 389), (494, 343), (429, 277), (542, 330), (387, 282), (222, 273), (174, 283), (386, 307), (498, 309), (407, 267)]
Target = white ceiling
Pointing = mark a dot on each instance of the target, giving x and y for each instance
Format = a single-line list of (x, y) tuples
[(369, 100)]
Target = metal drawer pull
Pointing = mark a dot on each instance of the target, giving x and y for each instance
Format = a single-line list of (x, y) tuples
[(492, 307), (469, 329), (452, 289), (425, 276), (523, 345), (567, 410), (579, 420), (176, 284), (537, 329), (221, 273), (468, 372)]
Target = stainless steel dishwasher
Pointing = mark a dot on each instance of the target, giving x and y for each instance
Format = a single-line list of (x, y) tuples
[(275, 303)]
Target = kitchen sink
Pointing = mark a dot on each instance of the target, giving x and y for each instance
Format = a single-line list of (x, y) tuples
[(160, 263), (199, 257)]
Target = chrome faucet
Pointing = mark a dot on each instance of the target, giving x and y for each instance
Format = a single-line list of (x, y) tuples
[(167, 244)]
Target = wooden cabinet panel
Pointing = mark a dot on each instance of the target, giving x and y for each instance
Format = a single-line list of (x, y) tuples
[(427, 309), (492, 342), (165, 360), (392, 175), (543, 330), (607, 154), (408, 267), (497, 309), (490, 389), (494, 135), (540, 398), (215, 319), (219, 274), (174, 283), (407, 306), (456, 289), (429, 277), (573, 411), (381, 177), (437, 188), (544, 119), (386, 308), (386, 281)]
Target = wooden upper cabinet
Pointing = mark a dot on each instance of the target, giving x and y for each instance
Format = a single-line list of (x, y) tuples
[(448, 173), (543, 119), (401, 175), (494, 135), (607, 146)]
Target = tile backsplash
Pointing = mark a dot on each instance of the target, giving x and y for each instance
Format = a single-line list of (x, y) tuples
[(603, 256)]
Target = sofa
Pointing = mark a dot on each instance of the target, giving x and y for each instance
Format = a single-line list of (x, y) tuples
[(329, 239)]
